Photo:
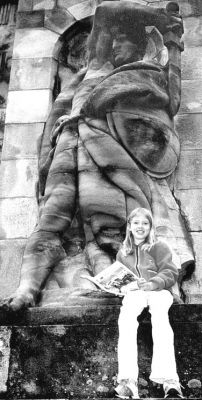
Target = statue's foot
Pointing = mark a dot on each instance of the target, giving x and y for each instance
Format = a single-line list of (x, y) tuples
[(18, 301)]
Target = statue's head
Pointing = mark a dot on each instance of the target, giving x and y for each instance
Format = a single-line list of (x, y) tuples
[(121, 42), (128, 44)]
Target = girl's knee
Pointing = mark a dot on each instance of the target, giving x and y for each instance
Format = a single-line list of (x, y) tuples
[(134, 300), (132, 306), (160, 301)]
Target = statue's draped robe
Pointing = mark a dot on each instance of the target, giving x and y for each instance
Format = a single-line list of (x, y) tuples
[(125, 147)]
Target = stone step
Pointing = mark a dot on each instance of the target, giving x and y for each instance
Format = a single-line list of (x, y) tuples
[(71, 352)]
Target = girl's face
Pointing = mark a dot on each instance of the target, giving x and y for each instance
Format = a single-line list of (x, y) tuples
[(140, 228)]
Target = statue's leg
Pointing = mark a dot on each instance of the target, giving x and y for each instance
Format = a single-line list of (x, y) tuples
[(102, 207), (44, 248)]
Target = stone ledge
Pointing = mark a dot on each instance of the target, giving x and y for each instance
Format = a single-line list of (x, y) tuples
[(78, 359), (101, 312)]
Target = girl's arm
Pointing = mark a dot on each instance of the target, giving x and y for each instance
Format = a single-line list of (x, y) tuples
[(119, 256), (130, 286), (167, 271)]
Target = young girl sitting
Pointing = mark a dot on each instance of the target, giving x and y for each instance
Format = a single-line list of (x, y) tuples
[(151, 261)]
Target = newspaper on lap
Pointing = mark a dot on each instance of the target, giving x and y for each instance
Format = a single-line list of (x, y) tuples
[(113, 278)]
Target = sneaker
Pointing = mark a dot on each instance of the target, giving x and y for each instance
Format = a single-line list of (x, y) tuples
[(172, 389), (127, 389)]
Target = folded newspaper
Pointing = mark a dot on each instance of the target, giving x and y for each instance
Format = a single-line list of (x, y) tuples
[(113, 278)]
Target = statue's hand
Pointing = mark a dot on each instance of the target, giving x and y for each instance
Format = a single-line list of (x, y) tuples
[(170, 23), (170, 20), (57, 128)]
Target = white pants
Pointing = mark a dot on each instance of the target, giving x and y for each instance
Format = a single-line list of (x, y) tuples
[(163, 360)]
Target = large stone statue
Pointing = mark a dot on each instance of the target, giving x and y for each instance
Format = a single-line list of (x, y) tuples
[(113, 149)]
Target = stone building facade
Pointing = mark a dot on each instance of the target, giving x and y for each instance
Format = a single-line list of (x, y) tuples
[(8, 12), (41, 27), (73, 354)]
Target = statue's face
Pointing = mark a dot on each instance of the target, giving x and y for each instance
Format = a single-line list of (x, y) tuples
[(124, 50)]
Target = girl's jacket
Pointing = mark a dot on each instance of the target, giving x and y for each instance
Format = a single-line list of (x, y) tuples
[(154, 264)]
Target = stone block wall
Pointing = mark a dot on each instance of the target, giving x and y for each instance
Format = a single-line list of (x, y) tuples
[(188, 185), (34, 68), (8, 11)]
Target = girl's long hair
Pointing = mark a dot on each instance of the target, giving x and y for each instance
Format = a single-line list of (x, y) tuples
[(129, 244)]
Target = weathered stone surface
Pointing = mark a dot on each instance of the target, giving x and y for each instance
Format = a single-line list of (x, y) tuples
[(191, 97), (193, 287), (192, 290), (187, 8), (191, 204), (18, 217), (192, 63), (142, 2), (30, 19), (8, 13), (80, 360), (11, 252), (5, 334), (188, 127), (20, 140), (90, 314), (194, 383), (33, 73), (58, 20), (59, 370), (187, 354), (18, 178), (189, 171), (25, 5), (192, 31), (43, 4), (27, 106), (197, 240), (35, 43), (83, 10), (65, 4)]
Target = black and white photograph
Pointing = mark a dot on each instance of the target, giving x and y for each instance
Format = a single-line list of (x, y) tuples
[(100, 199)]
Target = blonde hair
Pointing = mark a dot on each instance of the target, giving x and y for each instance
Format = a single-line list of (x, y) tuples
[(129, 244)]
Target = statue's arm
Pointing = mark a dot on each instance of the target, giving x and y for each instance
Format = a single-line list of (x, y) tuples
[(61, 107), (110, 12)]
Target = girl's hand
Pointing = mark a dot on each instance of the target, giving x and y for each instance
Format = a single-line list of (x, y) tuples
[(147, 286), (130, 286), (141, 282)]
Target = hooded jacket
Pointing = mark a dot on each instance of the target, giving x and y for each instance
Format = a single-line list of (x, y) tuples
[(154, 264)]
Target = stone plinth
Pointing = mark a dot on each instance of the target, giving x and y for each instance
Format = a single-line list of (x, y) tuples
[(71, 352)]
